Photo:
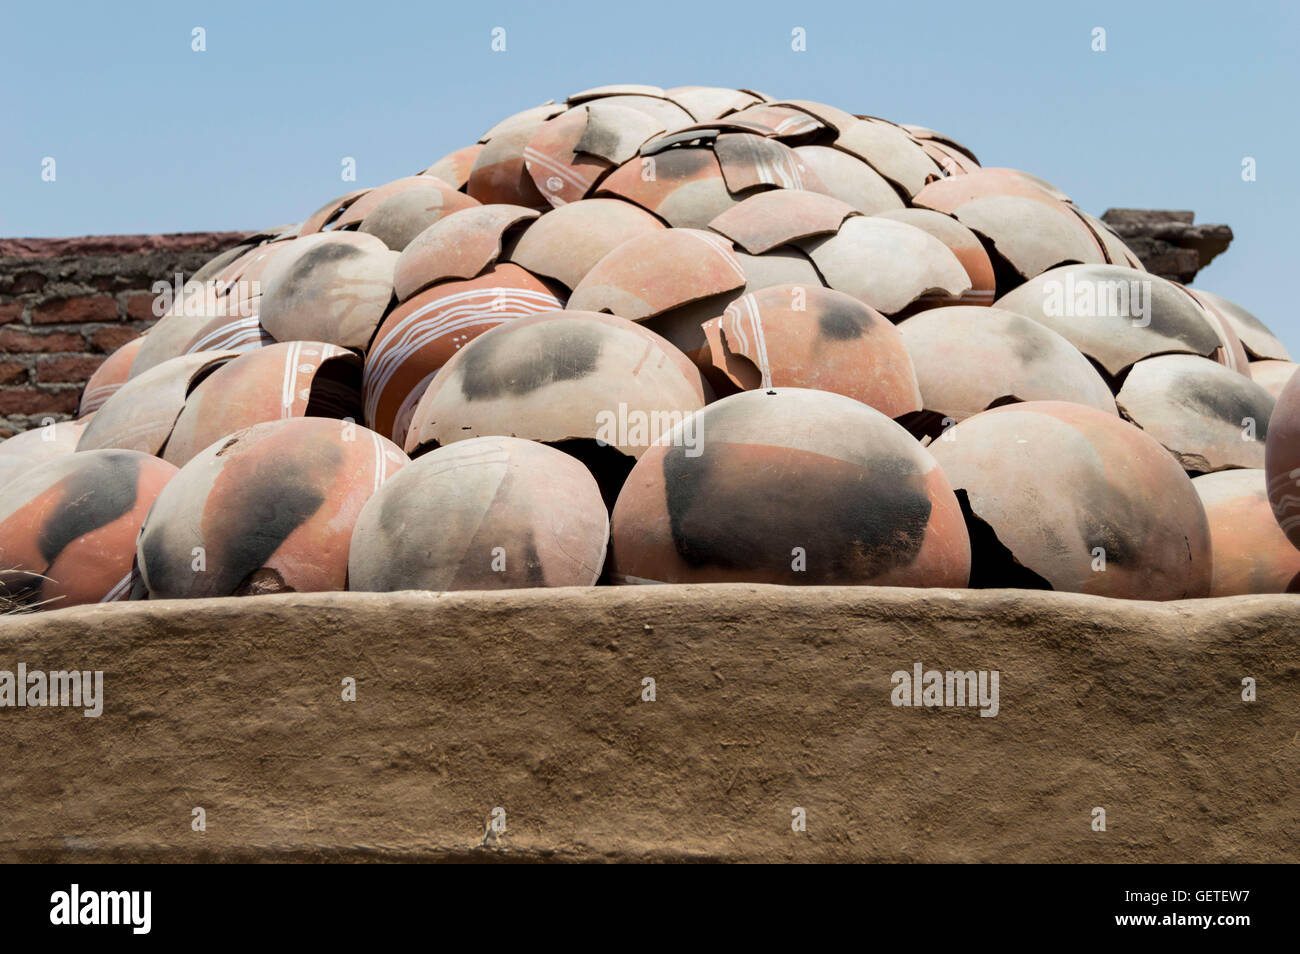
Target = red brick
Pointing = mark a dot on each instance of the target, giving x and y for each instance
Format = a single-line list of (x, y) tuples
[(11, 312), (32, 401), (108, 340), (12, 340), (85, 308), (74, 370), (139, 306), (27, 282), (11, 371)]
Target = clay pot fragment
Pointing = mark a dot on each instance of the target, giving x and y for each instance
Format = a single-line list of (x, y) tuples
[(455, 167), (500, 174), (140, 416), (1258, 340), (780, 216), (963, 243), (462, 245), (658, 271), (851, 180), (683, 325), (22, 452), (1021, 217), (108, 377), (788, 486), (1064, 496), (400, 217), (710, 102), (811, 337), (1272, 375), (750, 162), (328, 214), (1251, 553), (1115, 315), (1209, 417), (683, 186), (558, 377), (488, 513), (892, 152), (569, 154), (968, 359), (888, 265), (566, 244), (1282, 460), (266, 509), (361, 208), (425, 331), (291, 379), (68, 527), (332, 287)]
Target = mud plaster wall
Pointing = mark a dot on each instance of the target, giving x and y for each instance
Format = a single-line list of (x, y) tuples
[(768, 699)]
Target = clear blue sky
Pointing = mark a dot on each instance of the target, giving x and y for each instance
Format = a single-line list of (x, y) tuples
[(149, 136)]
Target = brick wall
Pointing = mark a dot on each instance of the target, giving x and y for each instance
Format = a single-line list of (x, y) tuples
[(66, 304)]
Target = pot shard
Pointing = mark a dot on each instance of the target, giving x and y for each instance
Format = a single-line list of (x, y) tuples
[(1251, 553), (198, 317), (1025, 220), (462, 245), (143, 412), (1258, 340), (454, 168), (811, 337), (710, 102), (789, 486), (1209, 417), (267, 509), (651, 274), (779, 217), (564, 245), (328, 214), (1230, 353), (108, 377), (500, 174), (970, 358), (230, 334), (892, 152), (533, 117), (360, 208), (888, 265), (403, 215), (963, 243), (1282, 460), (1115, 315), (683, 326), (291, 379), (425, 331), (851, 180), (29, 449), (683, 186), (487, 513), (1272, 375), (559, 377), (334, 287), (68, 527), (1064, 496), (569, 154)]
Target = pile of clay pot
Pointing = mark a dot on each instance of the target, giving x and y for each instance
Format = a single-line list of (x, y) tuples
[(671, 336)]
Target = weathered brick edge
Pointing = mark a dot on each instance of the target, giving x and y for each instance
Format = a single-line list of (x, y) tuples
[(67, 303)]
